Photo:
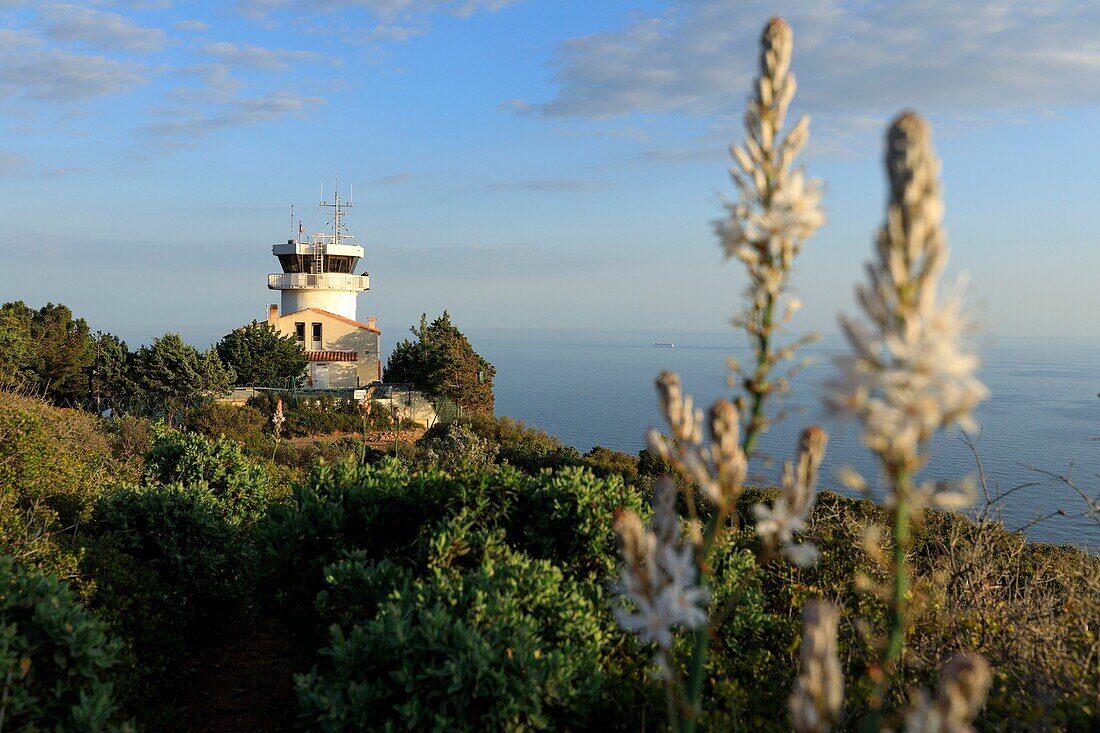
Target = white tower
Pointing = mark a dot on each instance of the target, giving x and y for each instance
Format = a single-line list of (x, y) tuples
[(320, 272)]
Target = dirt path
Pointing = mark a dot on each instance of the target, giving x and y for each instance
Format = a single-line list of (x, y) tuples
[(242, 679)]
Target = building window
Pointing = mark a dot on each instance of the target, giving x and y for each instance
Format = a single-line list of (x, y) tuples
[(300, 331), (317, 332)]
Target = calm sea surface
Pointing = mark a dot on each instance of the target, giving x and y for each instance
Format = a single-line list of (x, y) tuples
[(597, 389)]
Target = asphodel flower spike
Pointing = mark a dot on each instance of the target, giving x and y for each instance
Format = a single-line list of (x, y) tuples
[(778, 524), (909, 375), (964, 682), (776, 211), (659, 574), (818, 695)]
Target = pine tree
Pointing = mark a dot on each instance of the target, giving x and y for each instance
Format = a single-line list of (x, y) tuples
[(443, 363), (259, 354), (177, 374)]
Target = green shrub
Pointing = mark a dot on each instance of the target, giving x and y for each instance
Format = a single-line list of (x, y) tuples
[(513, 644), (374, 548), (355, 587), (318, 415), (568, 517), (607, 462), (459, 450), (53, 464), (215, 467), (528, 449), (130, 437), (182, 534), (239, 423), (390, 511), (147, 614), (380, 510), (56, 657)]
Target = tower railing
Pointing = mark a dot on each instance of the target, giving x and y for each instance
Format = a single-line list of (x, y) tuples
[(323, 281)]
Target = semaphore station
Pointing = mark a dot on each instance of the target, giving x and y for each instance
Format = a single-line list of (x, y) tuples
[(318, 288)]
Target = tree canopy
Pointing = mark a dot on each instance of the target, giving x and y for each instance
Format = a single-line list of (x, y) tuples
[(112, 369), (176, 373), (442, 362), (259, 354), (47, 349)]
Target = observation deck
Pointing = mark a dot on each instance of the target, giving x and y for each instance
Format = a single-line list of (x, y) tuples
[(318, 281)]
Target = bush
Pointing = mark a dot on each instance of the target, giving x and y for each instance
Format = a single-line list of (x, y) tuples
[(239, 423), (318, 415), (568, 517), (130, 438), (513, 644), (459, 449), (215, 467), (53, 464), (182, 534), (607, 462), (380, 510), (528, 449), (56, 657), (976, 588), (389, 511), (146, 613)]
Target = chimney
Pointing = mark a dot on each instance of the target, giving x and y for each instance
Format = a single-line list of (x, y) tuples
[(371, 321), (272, 314)]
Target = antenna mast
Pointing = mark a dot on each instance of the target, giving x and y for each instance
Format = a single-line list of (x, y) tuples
[(337, 206)]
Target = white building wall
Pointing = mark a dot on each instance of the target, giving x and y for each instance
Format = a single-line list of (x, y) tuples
[(336, 335), (340, 302)]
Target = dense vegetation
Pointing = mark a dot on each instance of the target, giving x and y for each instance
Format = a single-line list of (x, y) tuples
[(442, 362), (464, 587), (260, 355), (48, 352)]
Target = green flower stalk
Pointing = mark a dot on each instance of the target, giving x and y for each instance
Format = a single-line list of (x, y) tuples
[(908, 376), (776, 212)]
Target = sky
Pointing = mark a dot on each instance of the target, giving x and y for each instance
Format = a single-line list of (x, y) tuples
[(526, 164)]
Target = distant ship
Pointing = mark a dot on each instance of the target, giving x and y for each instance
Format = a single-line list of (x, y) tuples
[(664, 344)]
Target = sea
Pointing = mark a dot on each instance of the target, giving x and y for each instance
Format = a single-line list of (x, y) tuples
[(1041, 421)]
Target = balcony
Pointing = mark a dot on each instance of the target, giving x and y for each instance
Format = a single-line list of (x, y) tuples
[(324, 281)]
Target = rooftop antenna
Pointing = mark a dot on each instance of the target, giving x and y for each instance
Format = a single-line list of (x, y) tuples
[(338, 207)]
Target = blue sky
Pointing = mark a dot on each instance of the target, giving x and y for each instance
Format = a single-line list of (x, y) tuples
[(527, 164)]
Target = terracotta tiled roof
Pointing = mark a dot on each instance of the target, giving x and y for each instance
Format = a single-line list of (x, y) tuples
[(332, 356), (330, 314)]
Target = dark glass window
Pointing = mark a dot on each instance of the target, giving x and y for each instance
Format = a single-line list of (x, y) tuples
[(335, 263), (291, 263), (300, 331), (317, 332)]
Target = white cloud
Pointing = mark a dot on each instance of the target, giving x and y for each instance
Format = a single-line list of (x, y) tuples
[(58, 76), (397, 33), (216, 84), (378, 8), (17, 40), (191, 124), (195, 26), (109, 30), (12, 164), (851, 58), (144, 4), (248, 56), (549, 184)]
